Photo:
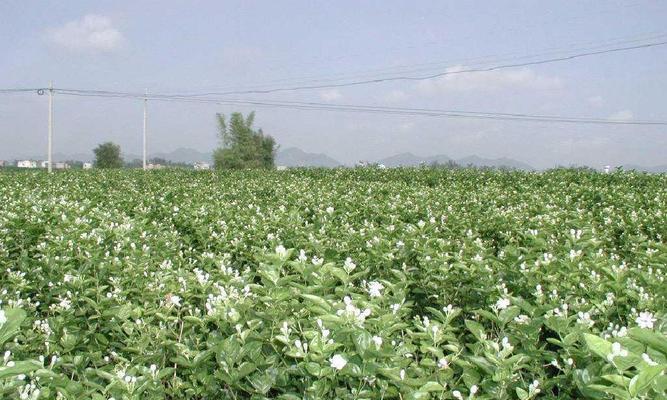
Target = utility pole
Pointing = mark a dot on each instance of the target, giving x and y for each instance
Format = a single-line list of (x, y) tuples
[(50, 150), (145, 122)]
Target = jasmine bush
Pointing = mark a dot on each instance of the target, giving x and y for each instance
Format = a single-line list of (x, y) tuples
[(347, 284)]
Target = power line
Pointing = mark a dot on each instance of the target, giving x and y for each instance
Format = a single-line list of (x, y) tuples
[(361, 108), (20, 90), (206, 97), (439, 65), (408, 78), (432, 76)]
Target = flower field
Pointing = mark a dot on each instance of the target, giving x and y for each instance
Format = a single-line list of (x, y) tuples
[(345, 284)]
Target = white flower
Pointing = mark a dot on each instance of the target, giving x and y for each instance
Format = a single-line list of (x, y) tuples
[(3, 317), (502, 303), (616, 351), (174, 300), (402, 374), (349, 265), (457, 395), (533, 387), (506, 344), (317, 261), (648, 360), (330, 210), (645, 320), (281, 251), (443, 363), (473, 389), (378, 341), (375, 289), (337, 362), (584, 318)]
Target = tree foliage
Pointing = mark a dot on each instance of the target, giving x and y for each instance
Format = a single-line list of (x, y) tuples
[(107, 155), (241, 145)]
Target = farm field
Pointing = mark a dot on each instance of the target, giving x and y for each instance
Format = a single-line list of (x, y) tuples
[(323, 284)]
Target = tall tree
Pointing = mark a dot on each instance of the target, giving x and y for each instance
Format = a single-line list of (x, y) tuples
[(241, 145), (107, 155)]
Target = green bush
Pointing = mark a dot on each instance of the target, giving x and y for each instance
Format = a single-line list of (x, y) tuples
[(345, 284)]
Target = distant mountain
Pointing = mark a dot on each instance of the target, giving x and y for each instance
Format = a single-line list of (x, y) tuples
[(295, 157), (180, 155), (401, 160), (184, 155), (411, 160), (477, 161)]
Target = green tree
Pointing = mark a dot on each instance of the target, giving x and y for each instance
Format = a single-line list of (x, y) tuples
[(107, 155), (241, 145)]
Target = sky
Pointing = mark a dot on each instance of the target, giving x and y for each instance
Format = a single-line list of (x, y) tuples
[(201, 46)]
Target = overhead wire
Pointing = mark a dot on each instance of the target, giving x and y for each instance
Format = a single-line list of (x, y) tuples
[(206, 97), (363, 108), (439, 65)]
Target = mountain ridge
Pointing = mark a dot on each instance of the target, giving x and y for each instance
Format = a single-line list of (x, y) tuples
[(296, 157)]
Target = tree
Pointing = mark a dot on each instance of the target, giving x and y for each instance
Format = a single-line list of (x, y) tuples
[(107, 155), (241, 145)]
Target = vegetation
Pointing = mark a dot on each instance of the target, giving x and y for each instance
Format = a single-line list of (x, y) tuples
[(242, 146), (320, 284), (138, 163), (107, 155)]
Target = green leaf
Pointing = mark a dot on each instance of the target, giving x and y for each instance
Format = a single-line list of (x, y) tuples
[(19, 368), (314, 368), (15, 317), (650, 338), (476, 329), (318, 300), (597, 345), (245, 369), (362, 340), (644, 379), (432, 387), (619, 393), (522, 394)]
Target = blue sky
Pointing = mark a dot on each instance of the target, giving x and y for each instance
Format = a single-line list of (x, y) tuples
[(170, 46)]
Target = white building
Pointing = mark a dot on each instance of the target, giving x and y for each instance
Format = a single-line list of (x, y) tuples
[(43, 164), (202, 165), (87, 165), (61, 165), (281, 167), (26, 164)]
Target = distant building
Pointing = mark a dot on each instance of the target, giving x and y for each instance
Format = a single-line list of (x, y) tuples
[(202, 165), (281, 167), (61, 165), (87, 165), (607, 168), (154, 166), (43, 164), (26, 164)]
